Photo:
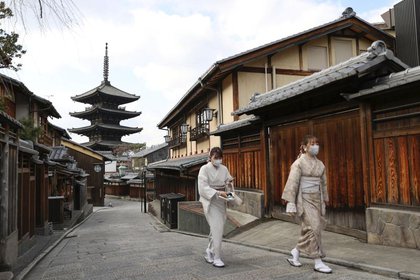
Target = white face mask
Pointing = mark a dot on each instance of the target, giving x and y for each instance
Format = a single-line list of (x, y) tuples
[(313, 149), (217, 162)]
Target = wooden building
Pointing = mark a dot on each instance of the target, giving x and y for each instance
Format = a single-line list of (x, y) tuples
[(365, 113), (178, 175), (105, 114), (68, 189), (149, 155), (36, 139), (93, 163), (230, 83), (390, 135), (9, 143)]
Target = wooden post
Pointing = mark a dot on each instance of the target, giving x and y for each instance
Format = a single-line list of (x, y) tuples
[(5, 187), (366, 149), (269, 188)]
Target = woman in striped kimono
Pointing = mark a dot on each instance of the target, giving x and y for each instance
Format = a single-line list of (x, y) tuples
[(212, 179), (306, 194)]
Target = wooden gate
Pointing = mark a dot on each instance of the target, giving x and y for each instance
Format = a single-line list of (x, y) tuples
[(340, 141)]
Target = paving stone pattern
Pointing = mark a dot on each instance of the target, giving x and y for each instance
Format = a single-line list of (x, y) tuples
[(123, 243)]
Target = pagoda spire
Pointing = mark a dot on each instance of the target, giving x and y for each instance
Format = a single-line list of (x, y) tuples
[(106, 65)]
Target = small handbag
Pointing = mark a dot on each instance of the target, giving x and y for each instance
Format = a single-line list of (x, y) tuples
[(233, 198)]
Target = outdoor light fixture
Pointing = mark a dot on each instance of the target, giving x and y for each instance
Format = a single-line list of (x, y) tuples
[(167, 138), (208, 114), (184, 129)]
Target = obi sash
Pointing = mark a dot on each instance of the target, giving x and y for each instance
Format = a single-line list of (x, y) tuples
[(310, 184)]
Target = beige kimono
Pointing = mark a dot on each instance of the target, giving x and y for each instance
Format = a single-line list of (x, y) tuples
[(307, 188), (210, 180)]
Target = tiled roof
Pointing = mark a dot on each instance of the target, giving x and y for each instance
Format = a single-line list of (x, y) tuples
[(52, 111), (180, 164), (27, 147), (150, 150), (48, 104), (122, 112), (60, 154), (64, 141), (11, 121), (358, 65), (105, 143), (271, 47), (391, 81), (129, 176), (62, 130), (340, 19), (115, 127), (235, 125), (107, 89)]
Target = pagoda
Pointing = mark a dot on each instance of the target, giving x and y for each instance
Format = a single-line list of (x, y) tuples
[(105, 114)]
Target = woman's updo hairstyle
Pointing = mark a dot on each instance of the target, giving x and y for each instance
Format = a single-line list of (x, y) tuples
[(305, 142)]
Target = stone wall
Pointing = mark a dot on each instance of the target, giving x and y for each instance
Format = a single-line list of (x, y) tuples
[(400, 228), (253, 202), (8, 251), (191, 219)]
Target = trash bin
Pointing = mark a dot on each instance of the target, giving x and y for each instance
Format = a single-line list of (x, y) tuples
[(172, 209), (56, 209), (163, 206)]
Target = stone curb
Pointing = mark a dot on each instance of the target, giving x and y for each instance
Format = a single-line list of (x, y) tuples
[(364, 267), (126, 198), (42, 255)]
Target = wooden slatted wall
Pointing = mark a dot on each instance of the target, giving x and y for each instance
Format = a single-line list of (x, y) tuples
[(165, 183), (339, 137), (243, 156), (396, 146)]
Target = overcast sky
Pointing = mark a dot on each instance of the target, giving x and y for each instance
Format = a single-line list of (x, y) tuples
[(158, 48)]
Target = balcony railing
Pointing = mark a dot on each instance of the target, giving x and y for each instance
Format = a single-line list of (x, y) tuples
[(201, 131), (178, 141)]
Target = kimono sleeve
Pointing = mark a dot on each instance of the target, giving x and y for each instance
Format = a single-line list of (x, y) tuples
[(204, 188), (229, 177), (324, 188), (292, 185)]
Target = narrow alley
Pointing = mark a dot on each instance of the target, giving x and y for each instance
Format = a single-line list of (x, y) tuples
[(120, 242)]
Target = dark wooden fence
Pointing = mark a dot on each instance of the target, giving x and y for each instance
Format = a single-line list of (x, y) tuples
[(167, 183), (396, 153), (243, 156)]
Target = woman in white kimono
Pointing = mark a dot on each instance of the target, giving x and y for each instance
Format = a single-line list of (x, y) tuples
[(306, 194), (212, 179)]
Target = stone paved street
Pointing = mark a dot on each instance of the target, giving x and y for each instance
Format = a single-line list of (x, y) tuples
[(123, 243)]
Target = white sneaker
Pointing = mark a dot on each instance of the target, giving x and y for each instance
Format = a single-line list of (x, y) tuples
[(209, 257), (218, 263)]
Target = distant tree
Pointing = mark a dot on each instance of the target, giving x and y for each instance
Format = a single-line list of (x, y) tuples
[(127, 149), (9, 48), (63, 13), (29, 131)]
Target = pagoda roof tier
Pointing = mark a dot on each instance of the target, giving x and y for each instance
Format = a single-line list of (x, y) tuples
[(90, 112), (105, 91), (110, 128), (103, 144)]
